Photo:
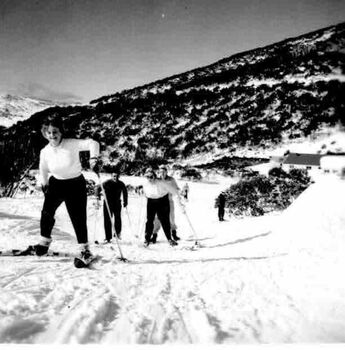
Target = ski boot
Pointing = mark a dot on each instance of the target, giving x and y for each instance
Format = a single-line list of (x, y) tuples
[(84, 259), (41, 249), (118, 235), (174, 235), (172, 242), (154, 238)]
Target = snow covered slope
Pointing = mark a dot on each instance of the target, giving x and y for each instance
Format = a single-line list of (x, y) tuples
[(18, 108), (257, 280)]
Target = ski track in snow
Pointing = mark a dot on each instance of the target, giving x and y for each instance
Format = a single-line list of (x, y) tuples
[(247, 283)]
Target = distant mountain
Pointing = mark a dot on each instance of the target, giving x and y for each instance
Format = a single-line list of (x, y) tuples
[(249, 104), (18, 108)]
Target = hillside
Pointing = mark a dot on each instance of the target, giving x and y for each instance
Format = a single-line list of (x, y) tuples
[(248, 104), (18, 108)]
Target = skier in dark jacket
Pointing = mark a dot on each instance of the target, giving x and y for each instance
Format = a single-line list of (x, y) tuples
[(220, 203), (113, 189)]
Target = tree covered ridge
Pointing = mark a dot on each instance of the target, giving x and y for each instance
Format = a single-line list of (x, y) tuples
[(250, 100)]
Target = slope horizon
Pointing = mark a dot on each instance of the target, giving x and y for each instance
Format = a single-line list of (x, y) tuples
[(218, 61)]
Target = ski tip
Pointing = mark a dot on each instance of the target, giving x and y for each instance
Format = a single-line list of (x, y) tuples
[(79, 263), (123, 259)]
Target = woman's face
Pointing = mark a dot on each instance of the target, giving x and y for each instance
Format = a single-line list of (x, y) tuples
[(163, 173), (54, 135)]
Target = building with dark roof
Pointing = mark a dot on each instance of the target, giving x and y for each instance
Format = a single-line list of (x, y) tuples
[(302, 160)]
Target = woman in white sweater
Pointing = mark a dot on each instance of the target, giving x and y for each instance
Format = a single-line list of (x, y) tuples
[(157, 193), (62, 181)]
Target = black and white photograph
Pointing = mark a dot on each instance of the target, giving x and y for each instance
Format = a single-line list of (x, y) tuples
[(172, 173)]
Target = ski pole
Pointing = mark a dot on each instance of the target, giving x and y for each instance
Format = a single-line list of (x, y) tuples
[(189, 223), (130, 223), (142, 218), (140, 213), (122, 258), (97, 210)]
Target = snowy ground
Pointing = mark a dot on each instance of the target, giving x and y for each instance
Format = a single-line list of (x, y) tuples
[(273, 279)]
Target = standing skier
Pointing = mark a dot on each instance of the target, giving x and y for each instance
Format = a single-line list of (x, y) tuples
[(163, 171), (62, 181), (220, 203), (113, 189), (157, 193)]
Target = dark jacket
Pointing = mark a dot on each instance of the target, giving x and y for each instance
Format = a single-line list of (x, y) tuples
[(220, 201), (113, 192)]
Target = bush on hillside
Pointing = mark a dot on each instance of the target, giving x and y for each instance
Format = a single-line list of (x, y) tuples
[(259, 194)]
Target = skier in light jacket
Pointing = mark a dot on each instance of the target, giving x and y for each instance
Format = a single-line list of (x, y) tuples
[(157, 194), (62, 181), (163, 170)]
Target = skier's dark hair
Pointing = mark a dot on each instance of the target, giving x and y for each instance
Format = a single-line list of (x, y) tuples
[(163, 167), (150, 173), (56, 121), (116, 171)]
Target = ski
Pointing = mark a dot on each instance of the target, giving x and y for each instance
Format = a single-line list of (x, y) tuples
[(103, 242), (81, 263), (111, 246), (194, 247), (30, 251)]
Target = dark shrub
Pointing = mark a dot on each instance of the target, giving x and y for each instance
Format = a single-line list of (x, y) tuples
[(191, 173), (258, 194)]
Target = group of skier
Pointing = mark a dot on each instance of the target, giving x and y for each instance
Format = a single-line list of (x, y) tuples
[(160, 209), (61, 180)]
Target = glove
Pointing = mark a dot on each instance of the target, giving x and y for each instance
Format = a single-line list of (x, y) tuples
[(95, 164)]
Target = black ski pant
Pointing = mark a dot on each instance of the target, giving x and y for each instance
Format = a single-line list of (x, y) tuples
[(221, 212), (161, 208), (116, 212), (73, 193)]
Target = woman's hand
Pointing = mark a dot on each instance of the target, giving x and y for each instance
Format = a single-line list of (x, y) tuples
[(95, 164)]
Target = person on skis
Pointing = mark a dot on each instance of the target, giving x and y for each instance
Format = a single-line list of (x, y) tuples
[(163, 176), (157, 194), (62, 181), (114, 189)]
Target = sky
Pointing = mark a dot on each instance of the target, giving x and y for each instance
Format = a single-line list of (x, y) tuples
[(79, 50)]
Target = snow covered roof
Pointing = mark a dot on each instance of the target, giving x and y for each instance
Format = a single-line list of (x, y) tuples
[(334, 162)]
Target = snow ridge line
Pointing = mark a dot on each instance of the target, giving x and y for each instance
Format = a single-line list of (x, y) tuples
[(44, 284), (183, 323), (26, 272)]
